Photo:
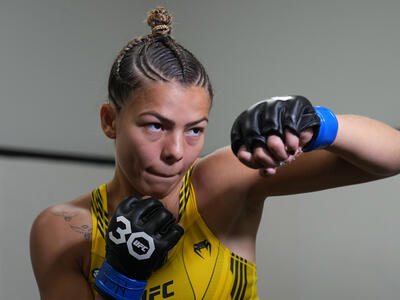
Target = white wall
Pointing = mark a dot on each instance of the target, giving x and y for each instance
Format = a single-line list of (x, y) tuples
[(338, 244), (54, 62), (27, 187), (55, 57)]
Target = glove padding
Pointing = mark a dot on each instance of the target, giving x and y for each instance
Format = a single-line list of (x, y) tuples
[(139, 236), (271, 117)]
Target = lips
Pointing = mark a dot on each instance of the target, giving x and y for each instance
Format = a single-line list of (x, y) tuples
[(160, 174)]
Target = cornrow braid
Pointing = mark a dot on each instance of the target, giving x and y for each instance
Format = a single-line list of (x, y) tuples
[(126, 49), (154, 57), (185, 59), (161, 29), (145, 67), (179, 54)]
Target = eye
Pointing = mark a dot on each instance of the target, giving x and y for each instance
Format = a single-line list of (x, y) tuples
[(154, 127), (195, 131)]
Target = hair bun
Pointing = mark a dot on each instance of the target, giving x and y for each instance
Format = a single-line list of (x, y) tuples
[(159, 20)]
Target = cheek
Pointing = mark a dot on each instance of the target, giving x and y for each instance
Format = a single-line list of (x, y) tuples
[(130, 150), (147, 153), (143, 150), (194, 148)]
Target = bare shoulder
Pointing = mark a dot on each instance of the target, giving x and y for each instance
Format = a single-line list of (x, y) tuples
[(221, 183), (60, 244), (71, 221), (221, 172)]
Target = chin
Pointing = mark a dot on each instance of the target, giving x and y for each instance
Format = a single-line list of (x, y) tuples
[(159, 187), (159, 191), (158, 194)]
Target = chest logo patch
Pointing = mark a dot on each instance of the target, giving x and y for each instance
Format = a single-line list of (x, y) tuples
[(198, 247)]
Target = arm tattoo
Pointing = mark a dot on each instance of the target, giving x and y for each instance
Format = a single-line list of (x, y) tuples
[(84, 230), (66, 215)]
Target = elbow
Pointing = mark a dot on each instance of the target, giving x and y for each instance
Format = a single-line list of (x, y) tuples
[(384, 171)]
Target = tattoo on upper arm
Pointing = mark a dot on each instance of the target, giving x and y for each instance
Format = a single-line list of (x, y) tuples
[(84, 230), (66, 215)]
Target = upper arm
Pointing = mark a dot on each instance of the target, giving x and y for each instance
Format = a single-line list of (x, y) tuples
[(223, 173), (55, 254)]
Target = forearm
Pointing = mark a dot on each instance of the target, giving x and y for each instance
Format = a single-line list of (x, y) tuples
[(368, 144)]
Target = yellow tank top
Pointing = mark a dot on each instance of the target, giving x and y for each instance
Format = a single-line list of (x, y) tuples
[(198, 267)]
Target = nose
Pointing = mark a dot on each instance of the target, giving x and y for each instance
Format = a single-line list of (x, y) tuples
[(173, 148)]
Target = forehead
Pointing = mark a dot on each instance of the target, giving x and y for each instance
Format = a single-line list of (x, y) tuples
[(170, 100)]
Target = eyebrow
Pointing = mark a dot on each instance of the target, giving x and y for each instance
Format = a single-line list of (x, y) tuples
[(170, 122)]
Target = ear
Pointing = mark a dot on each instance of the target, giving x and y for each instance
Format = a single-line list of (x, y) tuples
[(108, 117)]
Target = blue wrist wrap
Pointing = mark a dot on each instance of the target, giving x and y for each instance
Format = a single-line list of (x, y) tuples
[(114, 285), (327, 131)]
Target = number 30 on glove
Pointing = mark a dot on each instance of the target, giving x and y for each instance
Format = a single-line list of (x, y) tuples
[(139, 236)]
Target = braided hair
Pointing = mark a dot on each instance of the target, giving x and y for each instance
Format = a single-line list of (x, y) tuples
[(154, 57)]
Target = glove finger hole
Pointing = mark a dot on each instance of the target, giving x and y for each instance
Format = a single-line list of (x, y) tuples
[(151, 210), (165, 228), (174, 234), (157, 220)]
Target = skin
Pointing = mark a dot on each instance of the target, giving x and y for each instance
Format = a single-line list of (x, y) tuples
[(158, 135)]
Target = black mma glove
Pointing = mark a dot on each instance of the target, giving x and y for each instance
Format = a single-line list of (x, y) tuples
[(272, 117), (139, 236)]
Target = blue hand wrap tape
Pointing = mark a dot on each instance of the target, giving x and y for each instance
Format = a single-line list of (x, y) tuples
[(116, 285), (327, 131)]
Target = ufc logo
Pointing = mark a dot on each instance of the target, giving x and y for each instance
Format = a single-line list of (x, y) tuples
[(158, 292), (140, 245)]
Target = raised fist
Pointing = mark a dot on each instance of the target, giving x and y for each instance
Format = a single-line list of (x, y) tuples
[(272, 131), (139, 236)]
